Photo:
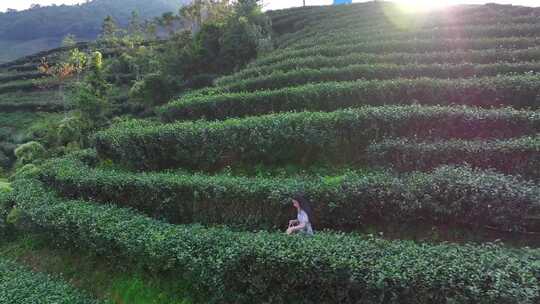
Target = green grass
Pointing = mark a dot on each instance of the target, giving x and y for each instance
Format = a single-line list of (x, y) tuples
[(115, 282), (4, 185)]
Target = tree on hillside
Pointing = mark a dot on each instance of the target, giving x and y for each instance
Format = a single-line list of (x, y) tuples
[(110, 32), (69, 40), (247, 33), (224, 36), (89, 99), (167, 20)]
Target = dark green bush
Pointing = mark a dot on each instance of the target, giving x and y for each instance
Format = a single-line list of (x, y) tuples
[(381, 71), (453, 57), (6, 204), (355, 35), (513, 156), (401, 46), (53, 106), (303, 138), (457, 197), (240, 267), (518, 91), (21, 76), (19, 285), (21, 85)]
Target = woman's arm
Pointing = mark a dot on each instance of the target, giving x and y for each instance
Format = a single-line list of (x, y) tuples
[(298, 227), (293, 223)]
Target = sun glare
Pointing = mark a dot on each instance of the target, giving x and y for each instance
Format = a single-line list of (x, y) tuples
[(421, 6)]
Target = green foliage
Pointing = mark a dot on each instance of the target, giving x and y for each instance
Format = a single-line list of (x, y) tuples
[(518, 91), (451, 196), (339, 137), (518, 156), (135, 290), (20, 76), (321, 269), (33, 30), (14, 217), (89, 104), (6, 205), (380, 18), (109, 30), (484, 57), (229, 37), (404, 46), (25, 85), (280, 79), (462, 31), (21, 286), (115, 280), (69, 40), (246, 34), (155, 89), (29, 152)]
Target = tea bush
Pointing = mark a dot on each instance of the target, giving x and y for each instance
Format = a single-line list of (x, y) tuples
[(452, 196), (520, 156), (517, 91), (19, 285), (244, 267)]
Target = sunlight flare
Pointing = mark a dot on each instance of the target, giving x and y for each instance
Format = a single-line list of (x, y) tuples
[(421, 6)]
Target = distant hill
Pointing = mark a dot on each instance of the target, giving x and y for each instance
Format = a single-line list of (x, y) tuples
[(39, 28)]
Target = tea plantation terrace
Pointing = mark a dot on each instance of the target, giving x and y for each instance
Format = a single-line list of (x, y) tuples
[(427, 121)]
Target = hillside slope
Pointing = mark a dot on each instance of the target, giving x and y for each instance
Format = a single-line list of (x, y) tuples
[(419, 128), (29, 31)]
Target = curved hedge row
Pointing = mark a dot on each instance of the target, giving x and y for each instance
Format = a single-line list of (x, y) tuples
[(333, 23), (19, 285), (279, 79), (24, 68), (306, 137), (8, 107), (324, 268), (22, 76), (21, 85), (517, 91), (513, 156), (455, 57), (346, 202), (363, 35), (413, 46)]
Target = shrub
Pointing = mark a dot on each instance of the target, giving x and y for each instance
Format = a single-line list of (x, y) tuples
[(338, 137), (29, 152), (154, 89), (21, 76), (401, 46), (5, 208), (517, 91), (456, 197), (513, 156), (245, 267), (280, 79), (454, 57), (20, 285), (354, 35)]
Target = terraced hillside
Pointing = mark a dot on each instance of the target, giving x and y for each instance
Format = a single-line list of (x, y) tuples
[(26, 97), (422, 127), (29, 99)]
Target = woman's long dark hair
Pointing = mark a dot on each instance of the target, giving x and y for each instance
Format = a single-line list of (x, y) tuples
[(305, 205)]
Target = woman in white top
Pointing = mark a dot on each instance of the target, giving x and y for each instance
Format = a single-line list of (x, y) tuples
[(302, 223)]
